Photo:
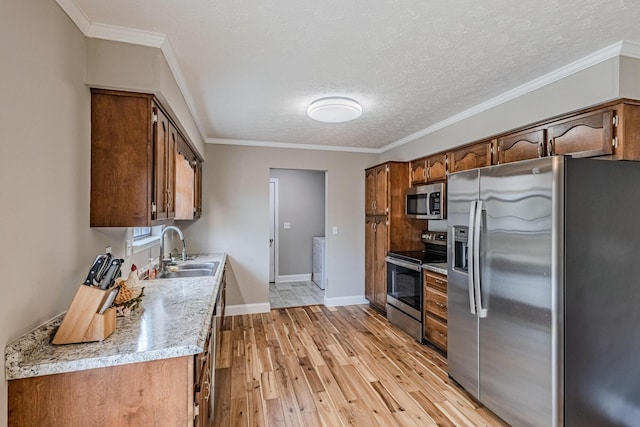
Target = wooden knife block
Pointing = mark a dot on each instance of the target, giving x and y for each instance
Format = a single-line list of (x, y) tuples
[(82, 323)]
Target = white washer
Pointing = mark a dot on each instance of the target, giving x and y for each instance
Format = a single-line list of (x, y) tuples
[(318, 269)]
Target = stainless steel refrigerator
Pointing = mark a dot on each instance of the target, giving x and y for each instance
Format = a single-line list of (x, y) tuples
[(544, 290)]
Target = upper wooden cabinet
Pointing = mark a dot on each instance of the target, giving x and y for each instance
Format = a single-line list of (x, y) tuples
[(164, 143), (185, 183), (528, 144), (418, 171), (470, 156), (197, 192), (376, 185), (133, 160), (587, 135), (437, 167), (428, 169), (611, 132)]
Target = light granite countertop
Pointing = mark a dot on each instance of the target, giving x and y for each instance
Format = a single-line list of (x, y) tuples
[(436, 267), (172, 321)]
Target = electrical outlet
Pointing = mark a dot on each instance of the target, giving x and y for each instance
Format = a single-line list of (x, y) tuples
[(286, 225), (128, 252), (107, 249), (335, 229)]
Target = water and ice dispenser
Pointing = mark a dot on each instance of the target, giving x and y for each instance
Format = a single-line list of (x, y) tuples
[(460, 248)]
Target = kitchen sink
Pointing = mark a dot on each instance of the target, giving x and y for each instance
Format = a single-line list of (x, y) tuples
[(191, 270), (203, 265)]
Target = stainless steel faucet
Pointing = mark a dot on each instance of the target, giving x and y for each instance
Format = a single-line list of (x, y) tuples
[(184, 247)]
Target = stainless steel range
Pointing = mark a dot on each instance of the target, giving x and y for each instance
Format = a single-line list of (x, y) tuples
[(404, 282)]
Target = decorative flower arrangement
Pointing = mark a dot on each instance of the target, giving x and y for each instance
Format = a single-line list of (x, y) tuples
[(130, 296)]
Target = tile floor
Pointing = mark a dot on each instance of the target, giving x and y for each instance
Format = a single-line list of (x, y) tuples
[(295, 294)]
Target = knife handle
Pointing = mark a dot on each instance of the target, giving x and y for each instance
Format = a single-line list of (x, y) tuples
[(94, 271), (111, 273)]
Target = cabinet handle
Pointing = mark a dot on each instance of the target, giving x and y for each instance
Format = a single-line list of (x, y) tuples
[(424, 173), (169, 198), (441, 305), (540, 149), (550, 148), (208, 389)]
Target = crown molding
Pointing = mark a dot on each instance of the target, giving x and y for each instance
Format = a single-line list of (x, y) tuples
[(621, 48), (630, 49), (126, 35), (269, 144)]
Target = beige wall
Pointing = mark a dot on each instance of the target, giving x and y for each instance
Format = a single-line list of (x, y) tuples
[(44, 169), (236, 216)]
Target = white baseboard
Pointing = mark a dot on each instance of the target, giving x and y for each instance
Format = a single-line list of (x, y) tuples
[(340, 301), (294, 278), (239, 309)]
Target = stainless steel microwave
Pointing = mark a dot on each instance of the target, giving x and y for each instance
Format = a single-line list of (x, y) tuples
[(426, 202)]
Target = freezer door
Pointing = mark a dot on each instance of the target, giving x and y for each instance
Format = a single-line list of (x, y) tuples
[(517, 331), (462, 322)]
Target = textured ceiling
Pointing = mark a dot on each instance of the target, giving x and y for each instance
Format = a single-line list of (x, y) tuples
[(251, 67)]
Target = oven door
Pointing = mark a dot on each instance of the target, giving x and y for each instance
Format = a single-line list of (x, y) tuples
[(404, 287)]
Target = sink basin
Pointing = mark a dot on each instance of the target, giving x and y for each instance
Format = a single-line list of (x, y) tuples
[(191, 270), (203, 265)]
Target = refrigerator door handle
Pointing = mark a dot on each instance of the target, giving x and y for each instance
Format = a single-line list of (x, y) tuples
[(471, 255), (482, 312)]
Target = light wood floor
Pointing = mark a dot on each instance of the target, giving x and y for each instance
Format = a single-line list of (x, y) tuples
[(344, 366)]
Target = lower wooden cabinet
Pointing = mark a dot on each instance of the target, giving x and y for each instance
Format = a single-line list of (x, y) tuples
[(158, 392), (435, 309), (168, 392), (376, 248)]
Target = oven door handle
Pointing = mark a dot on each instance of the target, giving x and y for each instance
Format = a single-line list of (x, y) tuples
[(408, 265)]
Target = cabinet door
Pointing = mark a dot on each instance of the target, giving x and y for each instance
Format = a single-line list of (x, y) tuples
[(185, 180), (197, 192), (172, 150), (418, 171), (436, 332), (380, 282), (370, 191), (436, 302), (437, 168), (382, 190), (470, 157), (521, 146), (121, 152), (587, 135), (160, 145), (369, 258)]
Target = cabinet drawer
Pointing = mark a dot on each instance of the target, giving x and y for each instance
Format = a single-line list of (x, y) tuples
[(436, 332), (436, 302), (436, 280)]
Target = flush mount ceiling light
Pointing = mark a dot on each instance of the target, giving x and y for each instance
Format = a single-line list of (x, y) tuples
[(334, 109)]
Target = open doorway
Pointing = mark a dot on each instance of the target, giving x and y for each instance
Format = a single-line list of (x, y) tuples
[(297, 221)]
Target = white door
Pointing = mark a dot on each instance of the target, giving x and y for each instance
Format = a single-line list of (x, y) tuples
[(273, 218)]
